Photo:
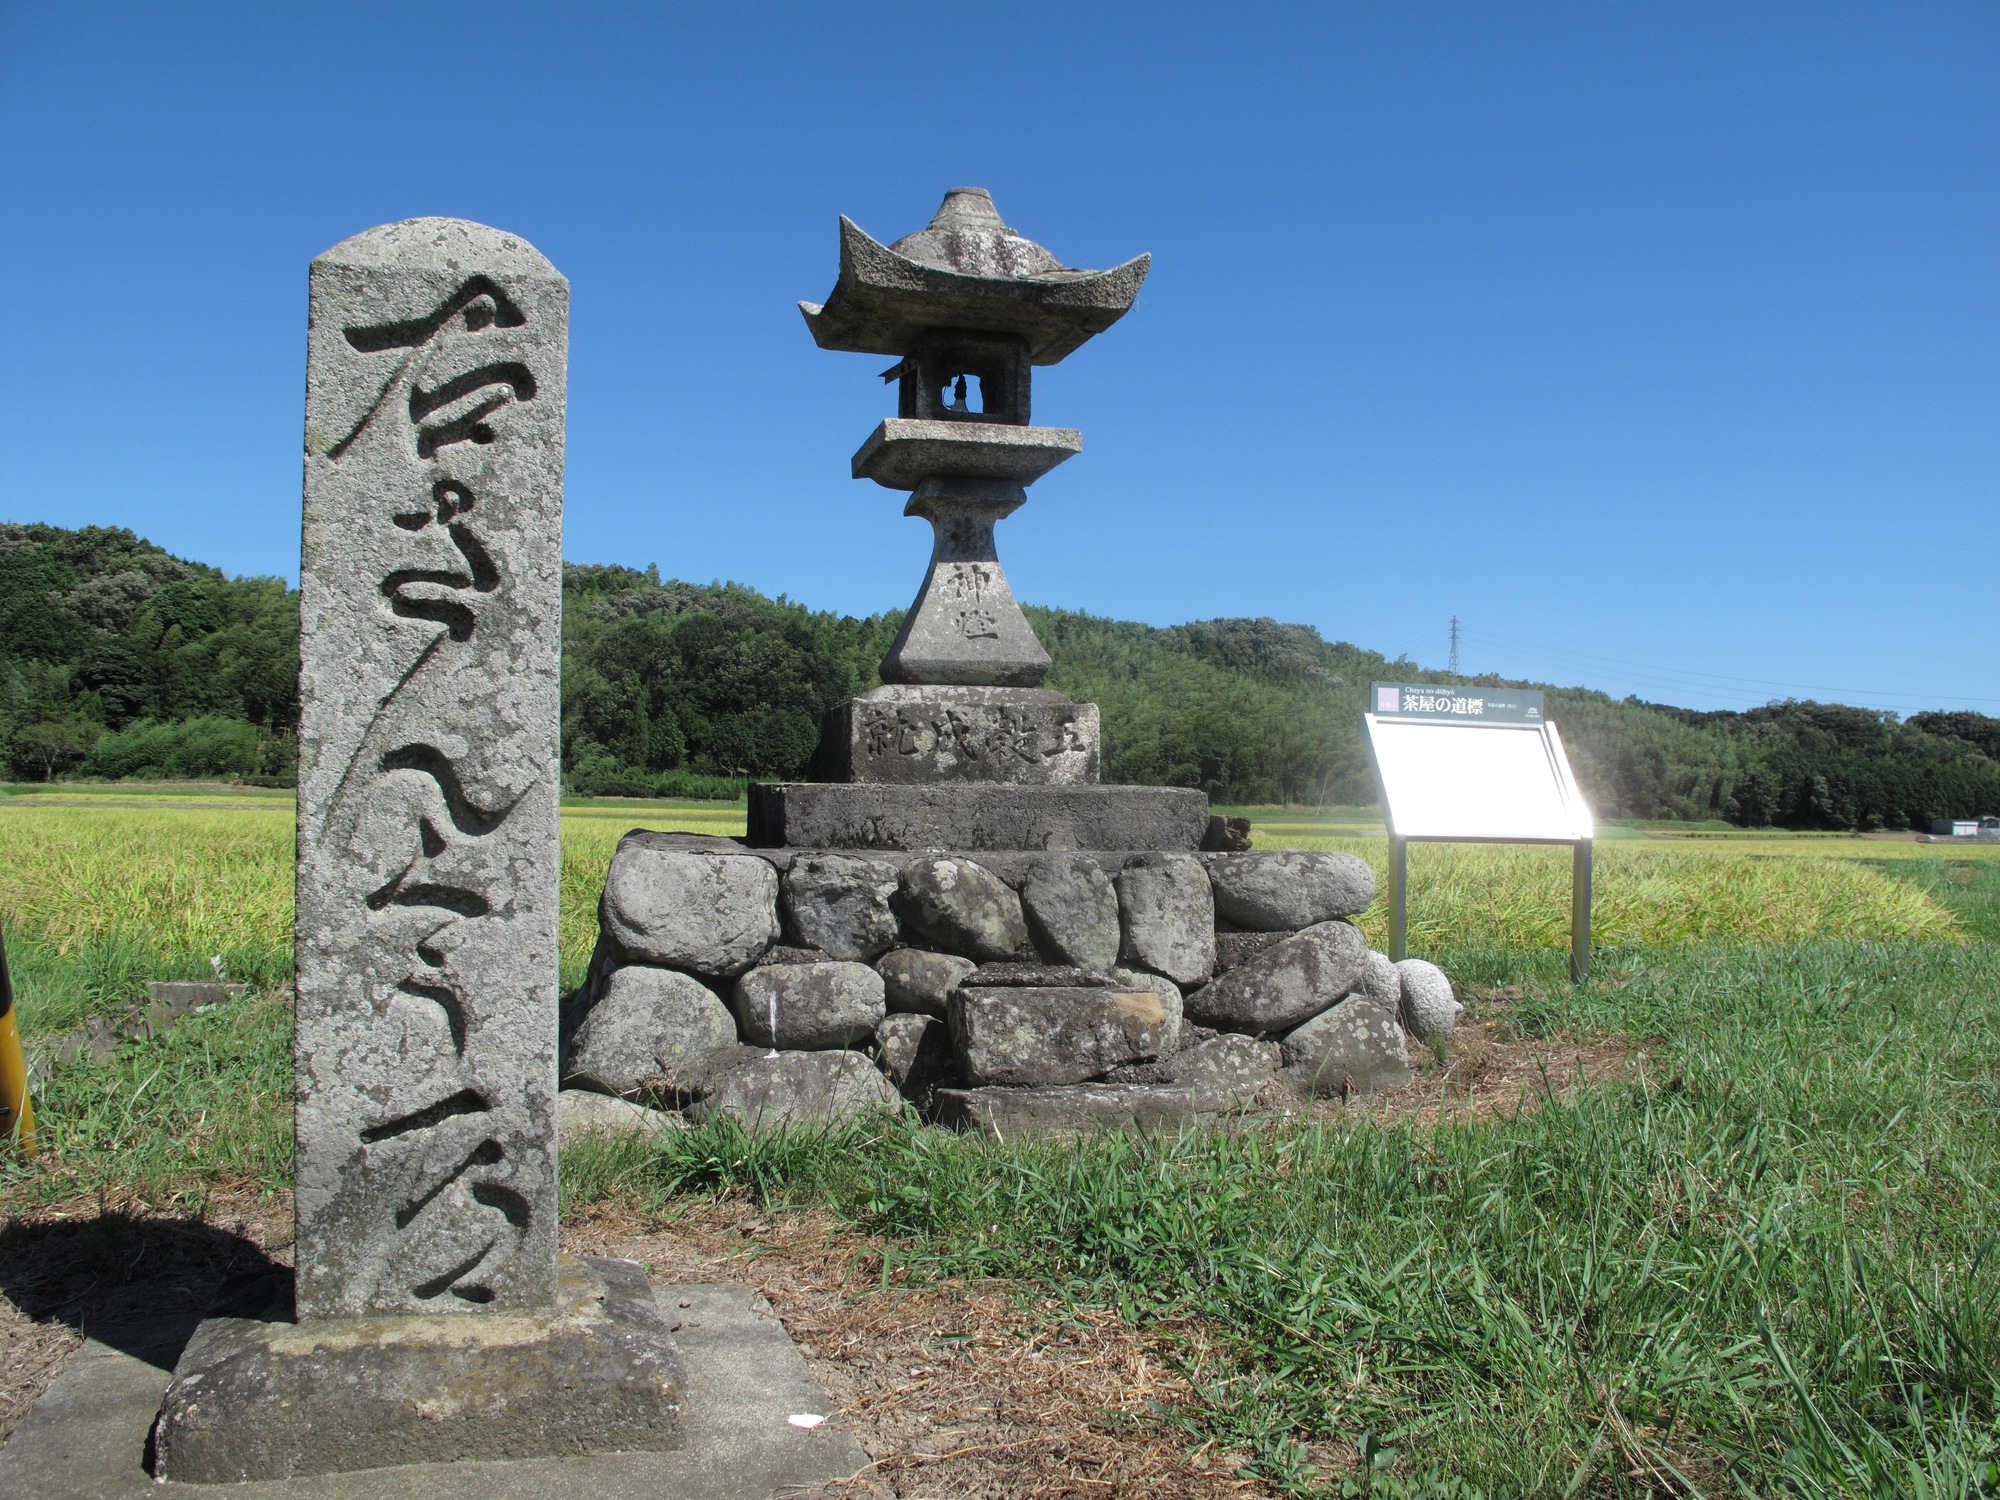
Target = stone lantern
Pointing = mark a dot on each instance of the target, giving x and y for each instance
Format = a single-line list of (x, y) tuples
[(967, 308)]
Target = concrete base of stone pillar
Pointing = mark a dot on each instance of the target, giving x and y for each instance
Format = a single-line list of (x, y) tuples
[(257, 1396)]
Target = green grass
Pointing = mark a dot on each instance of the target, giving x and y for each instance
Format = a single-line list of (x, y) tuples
[(207, 1104), (1770, 1265), (1767, 1264)]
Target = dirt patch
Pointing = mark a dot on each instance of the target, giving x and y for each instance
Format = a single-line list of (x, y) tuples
[(1486, 1076), (1482, 1075), (32, 1354), (955, 1389)]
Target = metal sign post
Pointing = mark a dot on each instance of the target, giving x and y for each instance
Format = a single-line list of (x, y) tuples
[(1579, 911), (1399, 899), (1470, 765)]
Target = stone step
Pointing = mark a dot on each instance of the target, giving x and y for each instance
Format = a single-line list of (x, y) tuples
[(974, 818), (1006, 1113)]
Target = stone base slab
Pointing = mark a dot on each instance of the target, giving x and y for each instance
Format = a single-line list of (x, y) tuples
[(1011, 865), (257, 1396), (1006, 1113), (86, 1439), (932, 735), (974, 819)]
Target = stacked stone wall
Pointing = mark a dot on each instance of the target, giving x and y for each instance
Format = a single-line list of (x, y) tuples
[(1000, 991)]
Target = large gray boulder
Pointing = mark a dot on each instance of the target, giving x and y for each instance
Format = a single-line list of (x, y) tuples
[(1169, 995), (965, 907), (1355, 1048), (914, 1053), (1007, 1114), (1380, 981), (1285, 985), (1168, 911), (839, 904), (646, 1024), (816, 1006), (1052, 1036), (1072, 911), (1235, 949), (1429, 1007), (919, 981), (1221, 1070), (799, 1088), (1037, 977), (1284, 889), (713, 914)]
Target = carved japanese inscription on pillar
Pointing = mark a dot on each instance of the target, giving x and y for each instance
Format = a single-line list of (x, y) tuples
[(428, 859)]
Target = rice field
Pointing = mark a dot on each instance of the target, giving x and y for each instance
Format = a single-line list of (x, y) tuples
[(103, 887)]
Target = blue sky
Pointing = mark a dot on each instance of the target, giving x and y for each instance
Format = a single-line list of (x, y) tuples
[(1660, 343)]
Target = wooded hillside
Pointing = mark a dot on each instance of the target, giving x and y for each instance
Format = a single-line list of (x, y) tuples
[(119, 660)]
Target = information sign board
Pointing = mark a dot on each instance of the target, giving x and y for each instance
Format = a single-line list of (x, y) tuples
[(1442, 780), (1475, 765), (1457, 705)]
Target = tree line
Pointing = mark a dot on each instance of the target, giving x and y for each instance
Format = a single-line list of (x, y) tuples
[(117, 660)]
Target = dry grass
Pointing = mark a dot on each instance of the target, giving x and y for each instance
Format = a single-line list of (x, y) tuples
[(208, 874), (955, 1389), (193, 878), (202, 873), (1650, 895)]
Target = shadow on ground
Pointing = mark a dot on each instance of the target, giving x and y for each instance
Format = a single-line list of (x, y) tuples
[(136, 1282)]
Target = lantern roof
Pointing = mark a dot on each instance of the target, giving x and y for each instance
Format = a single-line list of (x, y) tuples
[(967, 269)]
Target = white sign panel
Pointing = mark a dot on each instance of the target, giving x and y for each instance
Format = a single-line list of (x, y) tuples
[(1444, 780)]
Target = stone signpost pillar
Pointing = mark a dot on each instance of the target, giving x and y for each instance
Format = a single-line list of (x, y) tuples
[(431, 1318), (431, 591)]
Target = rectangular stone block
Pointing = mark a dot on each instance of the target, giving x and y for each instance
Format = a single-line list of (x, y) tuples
[(258, 1396), (910, 735), (430, 609), (1007, 1113), (974, 818), (1052, 1035)]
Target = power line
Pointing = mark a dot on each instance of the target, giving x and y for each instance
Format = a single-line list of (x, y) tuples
[(1453, 668)]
